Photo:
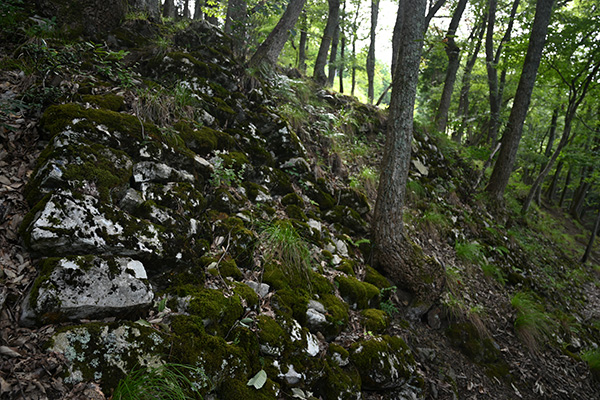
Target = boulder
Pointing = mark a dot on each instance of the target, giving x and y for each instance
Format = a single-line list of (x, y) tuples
[(87, 287)]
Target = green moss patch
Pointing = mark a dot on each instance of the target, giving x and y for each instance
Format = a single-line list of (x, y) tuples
[(374, 320), (107, 101), (358, 294)]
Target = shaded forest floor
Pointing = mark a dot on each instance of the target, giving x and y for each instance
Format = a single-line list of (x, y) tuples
[(467, 346)]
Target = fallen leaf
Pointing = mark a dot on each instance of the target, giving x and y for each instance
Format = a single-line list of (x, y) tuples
[(7, 351), (258, 380)]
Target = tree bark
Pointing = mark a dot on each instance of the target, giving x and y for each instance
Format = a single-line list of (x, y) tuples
[(302, 44), (333, 55), (394, 255), (588, 249), (342, 62), (332, 21), (453, 53), (169, 9), (579, 198), (371, 53), (514, 129), (198, 14), (269, 50)]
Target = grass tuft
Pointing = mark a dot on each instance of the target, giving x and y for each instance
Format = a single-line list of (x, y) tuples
[(165, 382), (283, 245), (532, 324)]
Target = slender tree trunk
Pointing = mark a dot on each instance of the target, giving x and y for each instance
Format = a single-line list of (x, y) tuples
[(342, 62), (551, 192), (332, 21), (551, 137), (371, 53), (463, 102), (393, 252), (303, 43), (496, 89), (576, 96), (514, 129), (169, 9), (453, 53), (198, 14), (235, 25), (333, 55), (354, 39), (579, 198), (588, 249), (269, 50), (186, 9), (563, 195)]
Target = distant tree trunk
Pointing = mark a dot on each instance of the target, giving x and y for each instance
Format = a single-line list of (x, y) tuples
[(371, 54), (576, 96), (491, 61), (563, 195), (514, 129), (579, 198), (588, 249), (354, 39), (198, 14), (551, 192), (333, 55), (342, 62), (186, 9), (169, 9), (235, 25), (393, 253), (453, 53), (332, 21), (269, 50), (463, 102), (303, 43), (548, 152)]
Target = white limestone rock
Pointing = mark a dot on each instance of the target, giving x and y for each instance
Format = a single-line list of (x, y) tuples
[(87, 287)]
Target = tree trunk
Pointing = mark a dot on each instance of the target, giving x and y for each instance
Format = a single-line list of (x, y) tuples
[(453, 53), (169, 9), (302, 44), (235, 26), (198, 14), (332, 21), (579, 198), (491, 61), (186, 9), (514, 129), (333, 55), (269, 50), (563, 195), (576, 96), (463, 102), (394, 255), (551, 137), (588, 249), (371, 53), (551, 192), (342, 63)]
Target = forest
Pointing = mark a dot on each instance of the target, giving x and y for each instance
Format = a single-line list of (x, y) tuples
[(341, 199)]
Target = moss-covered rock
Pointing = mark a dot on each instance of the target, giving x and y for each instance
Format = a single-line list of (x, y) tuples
[(480, 349), (339, 383), (107, 101), (374, 320), (384, 362), (107, 352), (358, 294), (373, 277)]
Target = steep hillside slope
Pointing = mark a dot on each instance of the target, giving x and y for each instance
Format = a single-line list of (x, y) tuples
[(186, 214)]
